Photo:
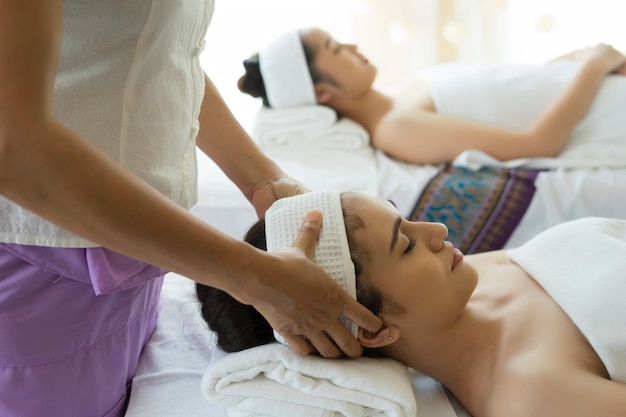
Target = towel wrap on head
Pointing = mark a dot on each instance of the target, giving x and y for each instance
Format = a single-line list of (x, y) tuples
[(332, 253), (285, 72)]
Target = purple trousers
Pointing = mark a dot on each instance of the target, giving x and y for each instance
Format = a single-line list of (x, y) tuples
[(73, 323)]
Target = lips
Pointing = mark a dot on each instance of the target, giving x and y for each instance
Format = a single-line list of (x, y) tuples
[(457, 259)]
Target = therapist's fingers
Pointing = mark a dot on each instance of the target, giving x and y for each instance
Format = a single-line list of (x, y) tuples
[(360, 315), (318, 343), (326, 345), (309, 233), (298, 344), (342, 343), (335, 340), (363, 317)]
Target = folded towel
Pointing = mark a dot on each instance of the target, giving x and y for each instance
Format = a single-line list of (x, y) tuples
[(581, 265), (292, 119), (307, 126), (271, 380)]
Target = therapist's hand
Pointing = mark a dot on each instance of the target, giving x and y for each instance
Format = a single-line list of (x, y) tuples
[(268, 191), (306, 303)]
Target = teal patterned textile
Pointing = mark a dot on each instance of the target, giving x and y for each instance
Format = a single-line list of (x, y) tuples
[(481, 207)]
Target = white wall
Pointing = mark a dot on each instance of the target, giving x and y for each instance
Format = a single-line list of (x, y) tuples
[(539, 30)]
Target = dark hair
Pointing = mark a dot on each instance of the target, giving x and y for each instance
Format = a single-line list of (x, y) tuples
[(252, 83), (239, 326)]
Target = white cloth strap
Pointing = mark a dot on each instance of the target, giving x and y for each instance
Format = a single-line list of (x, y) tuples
[(285, 72), (332, 253)]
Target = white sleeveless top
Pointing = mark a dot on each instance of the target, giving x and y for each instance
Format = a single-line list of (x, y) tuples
[(129, 81)]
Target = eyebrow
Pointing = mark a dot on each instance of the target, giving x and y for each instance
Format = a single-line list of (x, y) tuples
[(394, 234), (327, 43)]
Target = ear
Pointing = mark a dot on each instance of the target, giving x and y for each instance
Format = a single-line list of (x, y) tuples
[(385, 336), (324, 92)]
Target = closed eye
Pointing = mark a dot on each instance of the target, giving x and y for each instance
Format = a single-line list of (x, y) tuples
[(410, 246)]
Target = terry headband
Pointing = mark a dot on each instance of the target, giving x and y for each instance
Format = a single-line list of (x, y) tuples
[(283, 221), (285, 72)]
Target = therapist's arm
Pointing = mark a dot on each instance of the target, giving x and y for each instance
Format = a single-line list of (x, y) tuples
[(227, 143)]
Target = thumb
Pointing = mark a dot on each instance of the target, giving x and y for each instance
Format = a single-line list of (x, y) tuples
[(309, 233)]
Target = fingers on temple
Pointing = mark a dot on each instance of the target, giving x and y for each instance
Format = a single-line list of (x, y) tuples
[(364, 318)]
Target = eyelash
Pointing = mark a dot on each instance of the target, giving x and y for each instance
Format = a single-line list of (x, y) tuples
[(411, 245)]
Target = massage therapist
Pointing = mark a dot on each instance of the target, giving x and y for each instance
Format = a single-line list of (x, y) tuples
[(102, 106)]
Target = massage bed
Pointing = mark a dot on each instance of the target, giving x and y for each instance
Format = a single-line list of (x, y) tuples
[(586, 180)]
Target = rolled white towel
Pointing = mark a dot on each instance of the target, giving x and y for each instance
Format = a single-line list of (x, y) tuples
[(307, 126), (269, 122), (271, 380)]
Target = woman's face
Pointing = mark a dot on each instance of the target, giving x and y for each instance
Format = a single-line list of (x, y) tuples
[(342, 63), (411, 264)]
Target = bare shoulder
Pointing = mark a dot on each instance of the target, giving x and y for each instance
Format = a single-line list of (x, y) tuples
[(555, 391), (414, 93)]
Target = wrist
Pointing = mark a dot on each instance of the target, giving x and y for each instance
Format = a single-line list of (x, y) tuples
[(596, 65), (248, 282)]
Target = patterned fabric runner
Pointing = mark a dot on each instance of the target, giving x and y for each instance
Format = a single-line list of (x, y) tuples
[(481, 208)]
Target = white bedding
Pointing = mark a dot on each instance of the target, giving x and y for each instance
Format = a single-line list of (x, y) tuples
[(172, 365)]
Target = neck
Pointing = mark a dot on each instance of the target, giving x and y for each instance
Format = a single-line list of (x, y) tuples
[(367, 109), (464, 356)]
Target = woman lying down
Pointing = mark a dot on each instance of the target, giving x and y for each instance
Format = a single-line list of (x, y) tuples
[(535, 331)]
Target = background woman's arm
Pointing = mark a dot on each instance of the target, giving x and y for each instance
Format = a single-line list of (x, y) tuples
[(431, 138)]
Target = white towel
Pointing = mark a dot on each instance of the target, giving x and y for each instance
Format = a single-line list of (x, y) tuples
[(307, 126), (271, 380), (282, 224), (582, 265)]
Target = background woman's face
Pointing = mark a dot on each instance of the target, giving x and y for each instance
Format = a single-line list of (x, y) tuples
[(411, 263), (342, 63)]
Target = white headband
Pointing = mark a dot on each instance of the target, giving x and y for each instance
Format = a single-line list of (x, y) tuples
[(285, 73), (282, 223)]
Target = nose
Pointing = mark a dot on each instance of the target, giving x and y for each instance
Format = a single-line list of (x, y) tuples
[(437, 234), (432, 234)]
